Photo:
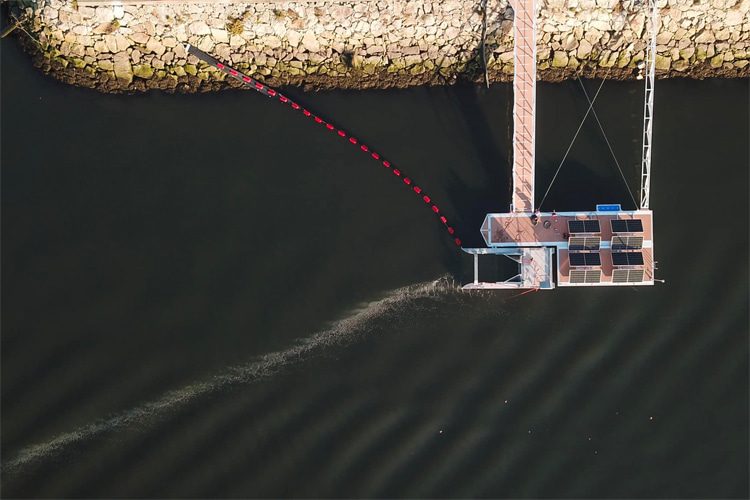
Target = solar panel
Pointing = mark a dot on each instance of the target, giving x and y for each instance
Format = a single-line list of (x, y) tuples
[(635, 259), (576, 226), (619, 226), (635, 275), (619, 259), (584, 259), (627, 259), (620, 276), (593, 276), (627, 276), (635, 242), (635, 225), (576, 243), (577, 276), (593, 259), (627, 242), (584, 226), (577, 259), (592, 242), (591, 226), (627, 225)]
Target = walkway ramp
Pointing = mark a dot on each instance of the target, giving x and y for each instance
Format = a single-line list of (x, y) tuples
[(524, 104)]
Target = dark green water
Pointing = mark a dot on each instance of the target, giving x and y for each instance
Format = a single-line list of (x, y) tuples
[(208, 296)]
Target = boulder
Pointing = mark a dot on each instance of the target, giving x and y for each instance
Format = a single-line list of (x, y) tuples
[(123, 69), (705, 36), (294, 38), (663, 63), (155, 47), (310, 42), (340, 12), (199, 28), (220, 35), (206, 44), (143, 71), (584, 49), (140, 38), (735, 17), (680, 65), (559, 59)]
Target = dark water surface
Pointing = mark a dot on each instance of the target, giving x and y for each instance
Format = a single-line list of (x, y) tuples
[(209, 296)]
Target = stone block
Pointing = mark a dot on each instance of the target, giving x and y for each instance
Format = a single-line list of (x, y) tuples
[(559, 59), (663, 63)]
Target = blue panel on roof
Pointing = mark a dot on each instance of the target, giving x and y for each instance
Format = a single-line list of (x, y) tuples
[(609, 208)]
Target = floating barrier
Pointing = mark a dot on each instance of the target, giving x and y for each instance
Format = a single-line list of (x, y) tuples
[(268, 91)]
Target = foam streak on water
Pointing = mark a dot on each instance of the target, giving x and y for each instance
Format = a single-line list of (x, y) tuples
[(343, 332)]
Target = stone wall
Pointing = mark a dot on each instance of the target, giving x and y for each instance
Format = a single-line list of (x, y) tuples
[(377, 43)]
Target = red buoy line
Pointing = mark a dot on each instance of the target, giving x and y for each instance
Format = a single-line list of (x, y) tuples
[(268, 91)]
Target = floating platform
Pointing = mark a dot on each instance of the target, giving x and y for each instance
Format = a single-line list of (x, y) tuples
[(598, 248)]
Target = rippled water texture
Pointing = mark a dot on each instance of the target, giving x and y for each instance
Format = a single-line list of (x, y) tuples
[(208, 296)]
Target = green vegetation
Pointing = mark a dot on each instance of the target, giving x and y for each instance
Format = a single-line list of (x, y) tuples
[(236, 26)]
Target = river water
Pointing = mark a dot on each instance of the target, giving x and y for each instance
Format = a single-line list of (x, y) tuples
[(210, 296)]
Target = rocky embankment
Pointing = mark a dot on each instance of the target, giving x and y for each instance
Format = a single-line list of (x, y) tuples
[(379, 43)]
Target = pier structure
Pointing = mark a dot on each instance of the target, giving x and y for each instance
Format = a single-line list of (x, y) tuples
[(606, 246), (524, 104)]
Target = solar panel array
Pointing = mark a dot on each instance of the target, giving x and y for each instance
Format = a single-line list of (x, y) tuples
[(627, 242), (586, 276), (627, 276), (584, 243), (584, 259), (627, 225), (627, 258), (584, 226)]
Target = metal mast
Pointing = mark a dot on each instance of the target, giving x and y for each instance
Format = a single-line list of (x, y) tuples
[(648, 105)]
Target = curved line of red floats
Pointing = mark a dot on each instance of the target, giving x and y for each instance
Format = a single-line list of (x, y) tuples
[(264, 89)]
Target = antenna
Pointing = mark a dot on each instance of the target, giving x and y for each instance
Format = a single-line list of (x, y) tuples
[(648, 107)]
